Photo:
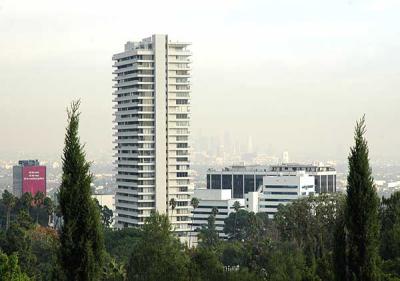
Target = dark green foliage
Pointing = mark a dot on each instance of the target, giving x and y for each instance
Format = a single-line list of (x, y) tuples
[(45, 247), (11, 206), (242, 275), (159, 256), (390, 227), (113, 270), (17, 242), (310, 223), (9, 201), (120, 243), (233, 253), (10, 270), (106, 215), (362, 221), (241, 225), (50, 208), (285, 262), (339, 245), (38, 203), (391, 268), (205, 265), (390, 236), (208, 235), (26, 201), (236, 225), (82, 242)]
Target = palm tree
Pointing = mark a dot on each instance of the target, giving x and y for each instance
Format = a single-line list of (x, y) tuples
[(9, 202), (49, 205), (172, 203), (236, 207), (38, 200), (26, 201), (114, 271), (195, 203), (214, 211)]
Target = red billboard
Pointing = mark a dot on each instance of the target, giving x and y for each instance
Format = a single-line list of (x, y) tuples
[(34, 179)]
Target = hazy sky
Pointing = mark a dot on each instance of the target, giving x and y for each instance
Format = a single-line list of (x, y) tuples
[(295, 75)]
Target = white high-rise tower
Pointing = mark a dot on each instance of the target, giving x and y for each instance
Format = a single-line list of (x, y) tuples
[(152, 112)]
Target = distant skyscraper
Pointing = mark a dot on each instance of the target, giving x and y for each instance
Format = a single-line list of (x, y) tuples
[(285, 157), (29, 176), (152, 112), (250, 145)]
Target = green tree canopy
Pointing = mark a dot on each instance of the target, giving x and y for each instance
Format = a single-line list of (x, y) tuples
[(158, 256)]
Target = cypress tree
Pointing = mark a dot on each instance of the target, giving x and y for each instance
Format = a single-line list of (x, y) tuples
[(361, 215), (81, 234), (339, 243)]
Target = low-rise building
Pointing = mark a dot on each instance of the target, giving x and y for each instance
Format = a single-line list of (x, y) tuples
[(210, 199), (241, 180), (275, 189)]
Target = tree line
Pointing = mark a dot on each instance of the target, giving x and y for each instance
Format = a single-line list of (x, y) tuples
[(330, 237)]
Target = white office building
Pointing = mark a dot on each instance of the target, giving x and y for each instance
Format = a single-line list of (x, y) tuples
[(152, 112), (324, 175), (242, 179), (281, 189), (277, 189), (208, 200)]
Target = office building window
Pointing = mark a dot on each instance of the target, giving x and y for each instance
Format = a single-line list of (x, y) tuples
[(317, 180), (324, 182), (216, 181), (238, 186), (226, 181), (330, 184), (248, 183), (259, 181), (334, 182)]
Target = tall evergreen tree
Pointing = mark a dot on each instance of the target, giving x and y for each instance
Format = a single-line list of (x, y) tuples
[(82, 242), (361, 215), (339, 243)]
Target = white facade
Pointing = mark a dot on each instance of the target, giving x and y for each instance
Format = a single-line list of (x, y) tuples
[(282, 189), (209, 199), (152, 112), (252, 201), (324, 176)]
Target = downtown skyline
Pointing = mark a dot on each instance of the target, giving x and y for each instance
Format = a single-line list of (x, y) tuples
[(248, 80)]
